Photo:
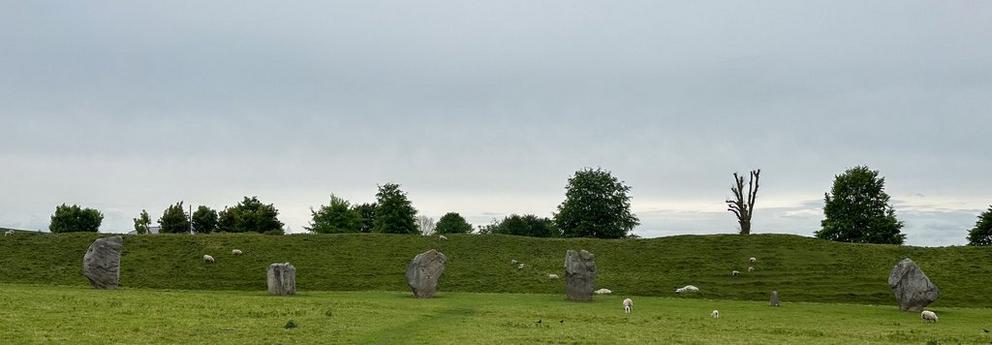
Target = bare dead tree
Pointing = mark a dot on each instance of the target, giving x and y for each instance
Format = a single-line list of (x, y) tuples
[(426, 225), (743, 204)]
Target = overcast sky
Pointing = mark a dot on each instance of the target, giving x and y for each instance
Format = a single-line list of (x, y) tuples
[(486, 108)]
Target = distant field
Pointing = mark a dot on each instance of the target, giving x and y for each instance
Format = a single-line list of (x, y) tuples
[(66, 315), (802, 269)]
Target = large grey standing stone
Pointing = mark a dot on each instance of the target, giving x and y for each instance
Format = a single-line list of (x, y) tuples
[(424, 271), (102, 262), (773, 301), (580, 275), (282, 279), (912, 288)]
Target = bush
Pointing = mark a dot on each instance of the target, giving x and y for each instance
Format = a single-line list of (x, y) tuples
[(75, 219), (142, 222), (527, 225), (337, 217), (857, 210), (981, 234), (596, 205), (250, 215), (174, 220), (452, 223), (367, 212), (205, 220), (394, 213)]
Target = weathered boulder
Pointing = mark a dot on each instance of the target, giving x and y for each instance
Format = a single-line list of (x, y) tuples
[(282, 279), (424, 271), (913, 290), (773, 301), (580, 275), (102, 262)]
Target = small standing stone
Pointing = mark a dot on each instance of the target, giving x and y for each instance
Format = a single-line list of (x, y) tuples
[(774, 300), (282, 279), (913, 290), (102, 262), (580, 275), (424, 271)]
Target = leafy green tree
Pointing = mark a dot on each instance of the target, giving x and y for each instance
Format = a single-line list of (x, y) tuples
[(857, 209), (596, 205), (174, 220), (394, 213), (337, 217), (75, 219), (250, 215), (142, 222), (452, 223), (981, 234), (527, 225), (205, 220), (367, 212)]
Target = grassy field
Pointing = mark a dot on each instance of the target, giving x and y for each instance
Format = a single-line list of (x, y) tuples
[(69, 315), (801, 268)]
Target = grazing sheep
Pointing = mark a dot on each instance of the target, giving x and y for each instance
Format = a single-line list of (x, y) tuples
[(553, 276), (208, 259), (442, 237), (514, 261), (603, 292), (8, 233), (687, 289), (928, 316), (750, 269), (628, 305), (520, 266), (236, 252), (715, 314), (735, 273), (753, 259)]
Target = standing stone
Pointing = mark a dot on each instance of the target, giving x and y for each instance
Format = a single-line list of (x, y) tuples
[(424, 271), (282, 279), (912, 288), (580, 275), (102, 262), (774, 300)]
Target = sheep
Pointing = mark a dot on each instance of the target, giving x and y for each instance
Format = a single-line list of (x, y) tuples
[(928, 316), (753, 259), (208, 259), (553, 276), (236, 252), (715, 314), (735, 273), (8, 233), (687, 289), (514, 261), (628, 305), (442, 237), (521, 266), (750, 269), (603, 292)]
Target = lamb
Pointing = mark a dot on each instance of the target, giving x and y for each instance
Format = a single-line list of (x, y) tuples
[(753, 259), (928, 316), (715, 314), (442, 237), (553, 276), (750, 269), (735, 273), (628, 305), (687, 289), (208, 259), (603, 292), (236, 252), (8, 233)]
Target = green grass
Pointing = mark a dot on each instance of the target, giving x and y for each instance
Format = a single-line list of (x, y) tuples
[(800, 268), (71, 315)]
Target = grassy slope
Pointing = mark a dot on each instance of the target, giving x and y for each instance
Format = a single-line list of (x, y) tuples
[(60, 315), (802, 269)]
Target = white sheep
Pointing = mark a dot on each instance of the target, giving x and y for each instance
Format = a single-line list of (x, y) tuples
[(553, 276), (715, 314), (442, 237), (628, 305), (735, 273), (208, 259), (236, 252), (603, 292), (928, 316), (687, 289), (514, 261), (521, 266), (750, 269), (753, 259), (8, 233)]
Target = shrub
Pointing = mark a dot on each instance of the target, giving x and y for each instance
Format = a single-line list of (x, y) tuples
[(452, 223), (174, 220), (142, 222), (981, 234), (337, 217), (250, 215), (367, 212), (205, 220), (75, 219), (527, 225)]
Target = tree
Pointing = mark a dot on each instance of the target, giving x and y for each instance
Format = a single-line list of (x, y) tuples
[(250, 215), (527, 225), (596, 205), (142, 222), (75, 219), (452, 223), (205, 220), (743, 204), (367, 212), (426, 225), (981, 234), (857, 209), (337, 217), (174, 220), (394, 214)]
